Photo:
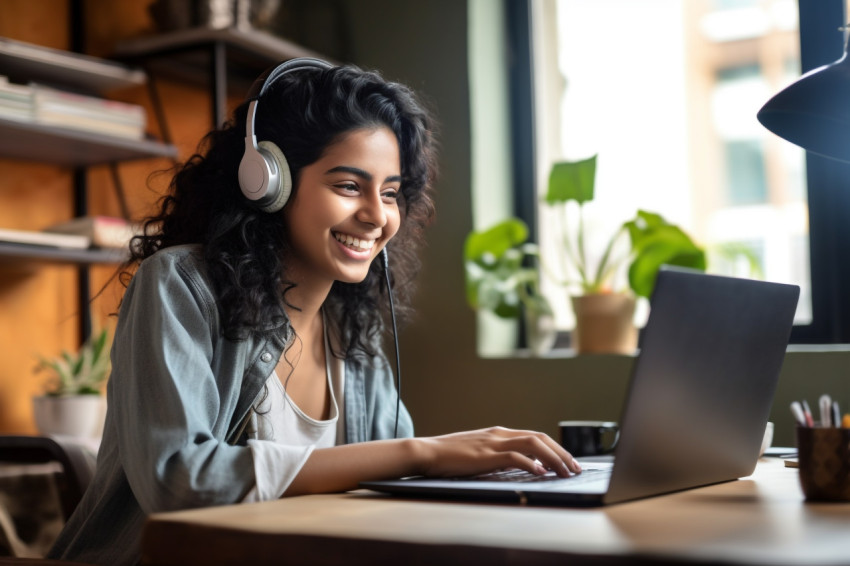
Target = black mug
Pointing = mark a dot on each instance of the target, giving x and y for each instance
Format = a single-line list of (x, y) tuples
[(589, 438)]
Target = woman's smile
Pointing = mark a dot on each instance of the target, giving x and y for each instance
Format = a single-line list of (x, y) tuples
[(354, 243)]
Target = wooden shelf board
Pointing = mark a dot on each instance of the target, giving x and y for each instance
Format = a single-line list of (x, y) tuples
[(16, 252), (185, 54), (257, 43), (66, 147), (25, 62)]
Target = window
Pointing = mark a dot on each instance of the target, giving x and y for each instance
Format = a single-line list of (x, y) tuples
[(665, 92)]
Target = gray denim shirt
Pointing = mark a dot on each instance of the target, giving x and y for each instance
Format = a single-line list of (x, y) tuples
[(178, 393)]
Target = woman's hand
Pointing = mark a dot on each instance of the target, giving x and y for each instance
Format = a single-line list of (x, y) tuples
[(487, 450), (342, 468)]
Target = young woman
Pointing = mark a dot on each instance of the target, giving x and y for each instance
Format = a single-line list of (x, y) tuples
[(247, 360)]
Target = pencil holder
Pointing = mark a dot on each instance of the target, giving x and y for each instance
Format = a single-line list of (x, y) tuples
[(824, 463)]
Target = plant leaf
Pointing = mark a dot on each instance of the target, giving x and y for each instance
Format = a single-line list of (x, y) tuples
[(495, 240), (98, 344), (82, 373), (538, 304), (497, 277), (668, 245), (572, 180), (733, 251)]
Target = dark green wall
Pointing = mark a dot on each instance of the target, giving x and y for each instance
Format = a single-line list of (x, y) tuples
[(445, 384)]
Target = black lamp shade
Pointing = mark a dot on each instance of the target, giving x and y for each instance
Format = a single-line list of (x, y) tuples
[(814, 111)]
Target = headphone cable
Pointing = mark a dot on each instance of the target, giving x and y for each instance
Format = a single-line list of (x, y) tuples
[(385, 258)]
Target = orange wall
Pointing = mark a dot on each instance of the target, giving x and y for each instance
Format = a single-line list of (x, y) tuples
[(38, 308)]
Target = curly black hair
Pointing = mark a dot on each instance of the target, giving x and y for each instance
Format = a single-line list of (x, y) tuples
[(303, 112)]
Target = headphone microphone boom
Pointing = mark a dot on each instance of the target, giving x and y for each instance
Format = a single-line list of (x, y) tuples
[(264, 175)]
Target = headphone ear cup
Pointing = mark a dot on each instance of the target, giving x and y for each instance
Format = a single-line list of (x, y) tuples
[(264, 175), (278, 194)]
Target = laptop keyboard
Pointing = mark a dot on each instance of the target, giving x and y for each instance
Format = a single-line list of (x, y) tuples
[(521, 476)]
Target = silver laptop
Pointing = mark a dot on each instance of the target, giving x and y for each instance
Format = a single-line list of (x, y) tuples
[(698, 402)]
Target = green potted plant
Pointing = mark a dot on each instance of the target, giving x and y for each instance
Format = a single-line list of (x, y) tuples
[(604, 314), (502, 277), (72, 404)]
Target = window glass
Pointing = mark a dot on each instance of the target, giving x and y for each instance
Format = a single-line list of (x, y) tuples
[(665, 93)]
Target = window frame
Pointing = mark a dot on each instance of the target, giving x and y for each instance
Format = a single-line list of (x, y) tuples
[(827, 180)]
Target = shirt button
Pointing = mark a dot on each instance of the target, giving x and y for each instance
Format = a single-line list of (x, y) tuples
[(266, 357)]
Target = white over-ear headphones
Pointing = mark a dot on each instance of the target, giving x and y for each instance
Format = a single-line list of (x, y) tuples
[(264, 175)]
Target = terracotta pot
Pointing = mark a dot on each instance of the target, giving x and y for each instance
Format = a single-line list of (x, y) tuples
[(74, 415), (604, 324)]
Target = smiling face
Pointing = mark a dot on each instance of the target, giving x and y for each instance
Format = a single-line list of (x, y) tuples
[(344, 210)]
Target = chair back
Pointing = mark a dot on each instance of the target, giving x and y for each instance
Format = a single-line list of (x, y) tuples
[(77, 465)]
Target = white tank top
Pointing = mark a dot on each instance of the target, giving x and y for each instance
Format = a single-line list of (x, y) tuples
[(281, 436)]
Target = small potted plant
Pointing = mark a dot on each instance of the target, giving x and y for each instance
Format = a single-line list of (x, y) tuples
[(604, 314), (502, 278), (73, 404)]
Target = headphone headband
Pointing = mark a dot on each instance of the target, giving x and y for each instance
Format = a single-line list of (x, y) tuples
[(297, 64)]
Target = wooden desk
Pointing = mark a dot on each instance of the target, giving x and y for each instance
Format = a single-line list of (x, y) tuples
[(757, 520)]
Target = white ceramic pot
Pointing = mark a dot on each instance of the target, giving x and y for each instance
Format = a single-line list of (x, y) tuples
[(767, 440), (73, 415), (540, 332)]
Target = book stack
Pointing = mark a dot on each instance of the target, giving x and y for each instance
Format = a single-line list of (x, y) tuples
[(70, 110), (15, 100), (28, 237), (53, 107), (101, 231)]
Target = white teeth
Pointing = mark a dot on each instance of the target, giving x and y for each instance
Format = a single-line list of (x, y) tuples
[(354, 243)]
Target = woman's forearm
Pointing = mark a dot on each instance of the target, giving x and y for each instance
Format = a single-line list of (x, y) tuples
[(342, 468)]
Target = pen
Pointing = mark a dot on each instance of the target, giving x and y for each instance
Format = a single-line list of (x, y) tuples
[(807, 414), (797, 411), (825, 404)]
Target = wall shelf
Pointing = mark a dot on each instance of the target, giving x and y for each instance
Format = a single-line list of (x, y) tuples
[(29, 141), (248, 52), (76, 149), (26, 62), (256, 43), (11, 252), (223, 60)]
